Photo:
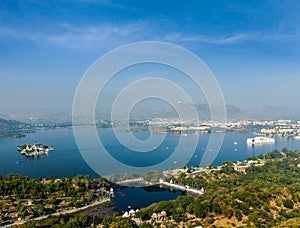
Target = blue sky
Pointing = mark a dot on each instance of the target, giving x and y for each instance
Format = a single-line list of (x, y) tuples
[(252, 47)]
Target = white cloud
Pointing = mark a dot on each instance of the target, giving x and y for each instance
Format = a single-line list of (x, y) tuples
[(107, 35), (70, 36), (209, 39), (231, 39)]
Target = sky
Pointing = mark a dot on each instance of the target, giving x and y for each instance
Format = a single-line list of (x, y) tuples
[(252, 47)]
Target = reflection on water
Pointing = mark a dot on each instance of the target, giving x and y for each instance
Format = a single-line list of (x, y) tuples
[(126, 198)]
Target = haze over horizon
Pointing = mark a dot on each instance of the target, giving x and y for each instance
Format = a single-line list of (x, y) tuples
[(252, 48)]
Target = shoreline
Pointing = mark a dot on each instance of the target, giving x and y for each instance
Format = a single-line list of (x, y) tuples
[(162, 184)]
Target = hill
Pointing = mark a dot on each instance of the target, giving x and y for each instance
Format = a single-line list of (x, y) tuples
[(263, 195), (185, 110), (13, 128)]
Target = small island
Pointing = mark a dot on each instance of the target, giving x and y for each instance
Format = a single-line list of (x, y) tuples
[(34, 150)]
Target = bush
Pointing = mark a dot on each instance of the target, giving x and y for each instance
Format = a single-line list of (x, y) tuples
[(124, 222), (253, 217), (278, 203), (288, 203), (210, 220), (146, 225), (238, 215)]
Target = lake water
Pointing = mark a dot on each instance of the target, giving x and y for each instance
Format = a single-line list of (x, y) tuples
[(127, 198), (67, 161)]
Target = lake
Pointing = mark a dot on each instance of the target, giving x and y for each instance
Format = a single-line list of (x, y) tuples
[(127, 198), (67, 161)]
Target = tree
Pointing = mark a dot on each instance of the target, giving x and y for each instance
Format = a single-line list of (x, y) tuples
[(152, 176), (288, 203), (274, 154), (216, 208), (253, 217), (39, 209), (238, 215), (200, 210), (22, 212), (261, 156), (179, 215), (227, 163), (227, 167), (77, 221), (284, 150), (227, 211), (123, 222), (146, 225)]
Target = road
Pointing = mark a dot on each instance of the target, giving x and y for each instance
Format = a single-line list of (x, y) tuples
[(61, 212)]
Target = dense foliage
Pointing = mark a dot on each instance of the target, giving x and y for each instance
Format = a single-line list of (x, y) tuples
[(22, 197), (263, 196), (266, 194)]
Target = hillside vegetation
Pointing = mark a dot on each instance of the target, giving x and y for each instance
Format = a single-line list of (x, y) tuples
[(13, 128), (267, 195), (262, 196)]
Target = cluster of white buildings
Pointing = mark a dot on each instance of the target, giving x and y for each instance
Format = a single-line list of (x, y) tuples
[(241, 166), (34, 150), (154, 217), (281, 128), (130, 214)]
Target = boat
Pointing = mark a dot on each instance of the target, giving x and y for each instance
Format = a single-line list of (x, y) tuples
[(260, 140), (297, 137), (235, 143)]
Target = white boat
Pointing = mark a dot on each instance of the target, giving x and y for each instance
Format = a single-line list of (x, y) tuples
[(260, 140), (297, 137), (235, 143)]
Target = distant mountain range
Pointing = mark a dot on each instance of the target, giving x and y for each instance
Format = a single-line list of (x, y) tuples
[(232, 112), (150, 112), (4, 116), (186, 110), (13, 128), (12, 124)]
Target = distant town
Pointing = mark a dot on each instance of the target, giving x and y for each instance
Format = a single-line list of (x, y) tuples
[(268, 128), (263, 128)]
